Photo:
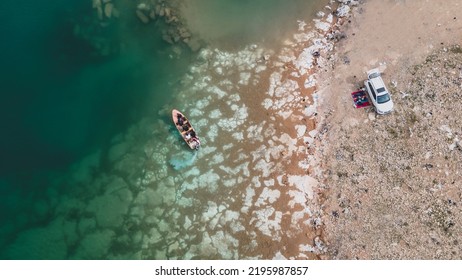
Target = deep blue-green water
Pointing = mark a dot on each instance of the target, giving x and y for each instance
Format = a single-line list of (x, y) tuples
[(59, 96), (68, 87)]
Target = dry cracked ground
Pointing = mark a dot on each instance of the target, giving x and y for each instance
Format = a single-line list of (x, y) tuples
[(393, 189)]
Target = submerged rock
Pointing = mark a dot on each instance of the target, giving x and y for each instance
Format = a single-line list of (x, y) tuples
[(194, 44), (143, 7), (142, 17), (96, 4), (108, 8), (86, 225), (99, 10), (95, 245), (152, 14), (110, 208), (117, 151), (38, 244)]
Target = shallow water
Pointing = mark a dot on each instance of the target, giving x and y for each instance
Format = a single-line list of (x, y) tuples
[(93, 167), (233, 24)]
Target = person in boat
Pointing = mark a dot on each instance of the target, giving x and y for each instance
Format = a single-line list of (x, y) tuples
[(180, 122), (187, 136), (180, 119), (185, 127), (197, 143)]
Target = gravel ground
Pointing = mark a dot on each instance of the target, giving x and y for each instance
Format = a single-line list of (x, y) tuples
[(394, 182), (392, 188)]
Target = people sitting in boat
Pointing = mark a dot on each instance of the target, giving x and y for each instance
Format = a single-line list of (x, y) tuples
[(187, 136), (193, 134), (185, 127), (180, 119), (197, 143)]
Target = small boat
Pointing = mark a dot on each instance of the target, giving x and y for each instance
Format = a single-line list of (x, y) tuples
[(186, 129)]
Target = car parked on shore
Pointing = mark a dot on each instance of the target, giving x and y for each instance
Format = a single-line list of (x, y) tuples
[(378, 93)]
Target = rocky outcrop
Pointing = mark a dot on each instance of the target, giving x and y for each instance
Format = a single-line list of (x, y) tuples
[(156, 14), (176, 32), (105, 9), (343, 10)]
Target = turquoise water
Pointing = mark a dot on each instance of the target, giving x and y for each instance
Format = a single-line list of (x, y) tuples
[(62, 99), (83, 106)]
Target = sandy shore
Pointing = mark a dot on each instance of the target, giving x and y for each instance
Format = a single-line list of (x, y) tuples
[(391, 185)]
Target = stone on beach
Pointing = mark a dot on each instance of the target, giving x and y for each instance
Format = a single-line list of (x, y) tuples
[(343, 10), (321, 25), (371, 116)]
